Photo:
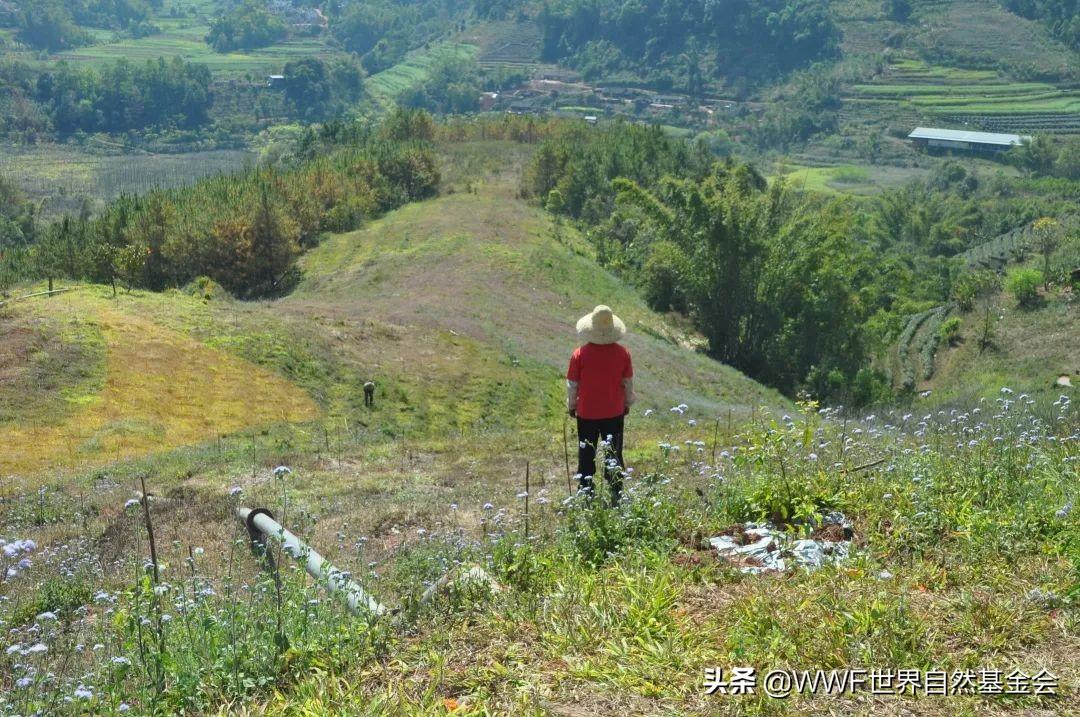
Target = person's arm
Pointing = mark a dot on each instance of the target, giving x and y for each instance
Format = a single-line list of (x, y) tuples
[(573, 375), (629, 397)]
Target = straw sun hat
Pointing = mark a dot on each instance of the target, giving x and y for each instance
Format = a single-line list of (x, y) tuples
[(600, 327)]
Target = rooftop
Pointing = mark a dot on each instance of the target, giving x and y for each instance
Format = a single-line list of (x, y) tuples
[(961, 135)]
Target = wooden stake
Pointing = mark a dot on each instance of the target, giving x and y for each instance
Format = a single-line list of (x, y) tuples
[(149, 527), (526, 500)]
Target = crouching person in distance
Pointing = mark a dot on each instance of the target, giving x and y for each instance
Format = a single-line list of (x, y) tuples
[(599, 392)]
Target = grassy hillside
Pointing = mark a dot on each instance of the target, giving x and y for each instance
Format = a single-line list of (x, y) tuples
[(1032, 349), (481, 266), (92, 382), (460, 308)]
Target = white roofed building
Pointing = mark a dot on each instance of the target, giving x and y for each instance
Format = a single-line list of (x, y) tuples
[(965, 140)]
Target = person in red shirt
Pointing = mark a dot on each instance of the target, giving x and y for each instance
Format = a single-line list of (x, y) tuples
[(599, 392)]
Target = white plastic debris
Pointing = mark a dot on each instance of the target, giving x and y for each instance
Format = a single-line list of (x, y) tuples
[(761, 548)]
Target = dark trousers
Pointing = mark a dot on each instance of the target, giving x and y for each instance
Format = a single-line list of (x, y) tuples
[(369, 397), (590, 432)]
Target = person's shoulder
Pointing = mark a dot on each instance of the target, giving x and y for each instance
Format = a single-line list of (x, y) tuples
[(623, 350)]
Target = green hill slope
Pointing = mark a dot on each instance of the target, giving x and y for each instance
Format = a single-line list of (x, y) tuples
[(1031, 351), (485, 270), (460, 308)]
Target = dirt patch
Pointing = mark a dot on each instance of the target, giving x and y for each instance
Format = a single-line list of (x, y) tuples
[(832, 533), (737, 533)]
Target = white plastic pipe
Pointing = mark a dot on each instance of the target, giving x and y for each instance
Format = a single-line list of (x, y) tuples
[(260, 522)]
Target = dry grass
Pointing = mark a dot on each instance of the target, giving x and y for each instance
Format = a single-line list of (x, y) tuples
[(161, 390)]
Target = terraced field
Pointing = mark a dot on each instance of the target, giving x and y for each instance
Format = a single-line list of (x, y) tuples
[(1007, 247), (506, 44), (188, 43), (387, 85), (979, 99)]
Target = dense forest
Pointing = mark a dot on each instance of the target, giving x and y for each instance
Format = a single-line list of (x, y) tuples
[(245, 27), (798, 290), (124, 96), (174, 94), (1062, 17), (685, 44)]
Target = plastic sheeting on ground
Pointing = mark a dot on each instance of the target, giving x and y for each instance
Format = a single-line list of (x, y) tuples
[(761, 547)]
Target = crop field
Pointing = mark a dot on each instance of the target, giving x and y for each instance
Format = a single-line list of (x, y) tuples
[(188, 44), (976, 98), (983, 35), (61, 176), (505, 43), (387, 85), (859, 180)]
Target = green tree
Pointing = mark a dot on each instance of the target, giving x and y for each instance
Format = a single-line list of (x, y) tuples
[(48, 25), (898, 10), (1036, 156), (1046, 233), (247, 26)]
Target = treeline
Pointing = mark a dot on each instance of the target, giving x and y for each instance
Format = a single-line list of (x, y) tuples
[(246, 26), (246, 231), (381, 32), (796, 290), (573, 169), (17, 231), (1062, 17), (775, 285), (124, 96), (157, 94), (54, 24), (686, 44)]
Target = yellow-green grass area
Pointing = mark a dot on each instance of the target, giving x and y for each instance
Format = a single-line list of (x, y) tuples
[(387, 86), (858, 180), (152, 390), (916, 70), (1031, 350)]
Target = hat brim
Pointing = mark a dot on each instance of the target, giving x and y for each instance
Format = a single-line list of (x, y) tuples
[(590, 334)]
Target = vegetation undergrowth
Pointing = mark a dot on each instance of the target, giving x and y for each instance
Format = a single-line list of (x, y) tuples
[(964, 555)]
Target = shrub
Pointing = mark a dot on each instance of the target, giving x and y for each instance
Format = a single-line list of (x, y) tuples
[(949, 331), (1024, 285), (969, 287)]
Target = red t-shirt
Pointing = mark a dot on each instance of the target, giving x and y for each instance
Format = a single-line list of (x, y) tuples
[(599, 370)]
